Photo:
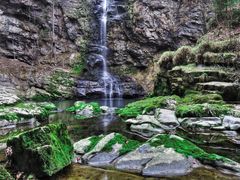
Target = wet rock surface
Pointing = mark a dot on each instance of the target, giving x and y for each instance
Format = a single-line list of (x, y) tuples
[(154, 25), (94, 88), (37, 37), (161, 156)]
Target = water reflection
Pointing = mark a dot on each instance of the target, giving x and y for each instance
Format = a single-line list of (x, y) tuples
[(104, 124)]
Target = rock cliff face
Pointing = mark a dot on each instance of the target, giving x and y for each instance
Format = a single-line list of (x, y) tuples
[(152, 26), (39, 39)]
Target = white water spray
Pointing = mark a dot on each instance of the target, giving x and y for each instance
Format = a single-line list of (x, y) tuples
[(111, 86)]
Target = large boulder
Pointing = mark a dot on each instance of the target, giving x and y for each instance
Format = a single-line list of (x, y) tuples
[(42, 151), (155, 161)]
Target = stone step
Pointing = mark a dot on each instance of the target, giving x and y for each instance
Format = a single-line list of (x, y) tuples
[(222, 59), (230, 91), (193, 74)]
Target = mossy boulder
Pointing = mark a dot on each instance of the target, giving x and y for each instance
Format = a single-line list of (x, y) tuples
[(162, 155), (22, 111), (4, 174), (85, 110), (42, 151), (185, 147), (106, 142)]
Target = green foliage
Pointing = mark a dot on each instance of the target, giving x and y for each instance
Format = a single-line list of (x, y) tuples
[(187, 54), (215, 46), (202, 110), (227, 11), (192, 105), (11, 116), (79, 64), (184, 147), (143, 106), (4, 174)]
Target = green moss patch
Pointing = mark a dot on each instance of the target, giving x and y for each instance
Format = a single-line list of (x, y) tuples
[(193, 104), (185, 147), (60, 84), (80, 105), (146, 105), (127, 144), (205, 49), (26, 110), (94, 141), (42, 151), (199, 98), (202, 110)]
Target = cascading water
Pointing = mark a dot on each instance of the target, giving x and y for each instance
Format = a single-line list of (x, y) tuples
[(111, 85)]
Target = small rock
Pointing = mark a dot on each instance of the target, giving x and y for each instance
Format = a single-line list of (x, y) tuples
[(146, 129), (201, 123), (231, 123), (87, 111), (166, 117)]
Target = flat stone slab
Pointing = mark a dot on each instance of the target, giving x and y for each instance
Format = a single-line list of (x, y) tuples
[(136, 160), (166, 117), (141, 119), (168, 163), (103, 159), (146, 130), (201, 123)]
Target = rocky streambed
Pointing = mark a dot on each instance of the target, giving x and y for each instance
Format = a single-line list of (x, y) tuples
[(166, 136)]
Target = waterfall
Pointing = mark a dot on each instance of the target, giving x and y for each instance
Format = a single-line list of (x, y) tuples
[(111, 85), (53, 31)]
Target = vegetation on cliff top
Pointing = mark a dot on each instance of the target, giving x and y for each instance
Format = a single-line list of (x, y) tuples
[(186, 54)]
